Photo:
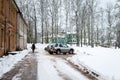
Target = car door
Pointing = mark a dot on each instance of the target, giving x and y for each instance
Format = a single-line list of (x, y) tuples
[(66, 48), (61, 47)]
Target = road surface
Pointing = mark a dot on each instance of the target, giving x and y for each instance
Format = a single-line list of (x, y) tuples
[(43, 66)]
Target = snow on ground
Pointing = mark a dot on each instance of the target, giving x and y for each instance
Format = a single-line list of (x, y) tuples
[(46, 70), (53, 68), (56, 69), (104, 61), (8, 62), (67, 72)]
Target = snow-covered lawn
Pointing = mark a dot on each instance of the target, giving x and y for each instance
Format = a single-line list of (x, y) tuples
[(104, 61)]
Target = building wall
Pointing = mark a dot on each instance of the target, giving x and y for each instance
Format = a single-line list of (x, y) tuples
[(8, 26), (22, 33), (1, 39), (11, 26), (71, 38), (25, 36), (2, 25)]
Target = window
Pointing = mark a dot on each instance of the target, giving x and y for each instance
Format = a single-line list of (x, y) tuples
[(56, 45), (13, 41), (9, 10), (60, 45), (65, 46), (1, 6), (1, 37)]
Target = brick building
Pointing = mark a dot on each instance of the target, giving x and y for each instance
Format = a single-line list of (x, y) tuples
[(8, 26), (2, 24)]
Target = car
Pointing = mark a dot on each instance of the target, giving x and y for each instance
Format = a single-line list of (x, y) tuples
[(59, 48), (49, 47)]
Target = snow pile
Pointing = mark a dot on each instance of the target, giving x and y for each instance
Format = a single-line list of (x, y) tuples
[(8, 62), (102, 60)]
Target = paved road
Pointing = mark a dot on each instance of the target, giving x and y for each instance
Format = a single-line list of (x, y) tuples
[(24, 70)]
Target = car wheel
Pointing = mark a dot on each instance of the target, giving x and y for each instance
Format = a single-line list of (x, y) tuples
[(58, 52), (51, 52), (64, 53), (71, 51)]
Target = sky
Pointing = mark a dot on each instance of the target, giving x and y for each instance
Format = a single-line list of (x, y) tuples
[(104, 2)]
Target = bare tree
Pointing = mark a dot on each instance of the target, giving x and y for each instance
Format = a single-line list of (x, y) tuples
[(110, 19), (26, 7), (34, 18), (102, 29), (80, 16), (117, 17), (92, 6)]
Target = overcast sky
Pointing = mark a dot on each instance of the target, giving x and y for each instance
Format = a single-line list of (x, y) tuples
[(104, 2)]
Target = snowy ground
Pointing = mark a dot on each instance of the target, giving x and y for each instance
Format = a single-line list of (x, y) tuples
[(8, 62), (53, 68), (102, 61)]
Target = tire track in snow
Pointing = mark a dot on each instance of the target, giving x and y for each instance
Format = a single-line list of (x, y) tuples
[(65, 70)]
